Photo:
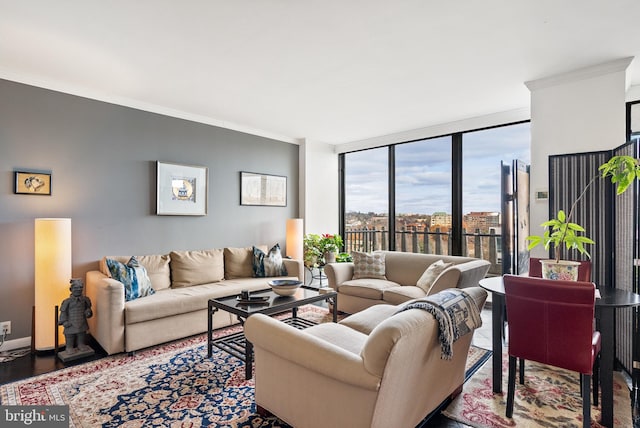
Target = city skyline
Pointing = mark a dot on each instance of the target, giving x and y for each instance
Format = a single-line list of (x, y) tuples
[(423, 172)]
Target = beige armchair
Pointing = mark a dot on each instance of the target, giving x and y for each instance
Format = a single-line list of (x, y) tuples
[(373, 369)]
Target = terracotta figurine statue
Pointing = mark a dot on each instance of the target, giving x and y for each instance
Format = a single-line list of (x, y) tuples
[(74, 312)]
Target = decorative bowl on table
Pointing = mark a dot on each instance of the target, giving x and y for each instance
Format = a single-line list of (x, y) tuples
[(285, 287)]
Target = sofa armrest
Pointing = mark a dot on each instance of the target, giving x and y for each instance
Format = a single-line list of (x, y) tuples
[(472, 272), (294, 268), (447, 279), (478, 294), (107, 301), (337, 273), (308, 351)]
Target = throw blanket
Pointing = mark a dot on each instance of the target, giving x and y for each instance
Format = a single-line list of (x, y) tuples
[(456, 313)]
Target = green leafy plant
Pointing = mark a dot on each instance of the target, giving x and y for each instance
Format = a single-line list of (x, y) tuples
[(330, 243), (344, 257), (559, 231), (315, 247)]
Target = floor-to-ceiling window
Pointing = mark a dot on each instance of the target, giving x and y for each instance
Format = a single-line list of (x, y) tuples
[(366, 196), (423, 195), (415, 183), (483, 152)]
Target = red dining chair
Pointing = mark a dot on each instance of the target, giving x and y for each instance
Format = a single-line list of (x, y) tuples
[(535, 270), (551, 322)]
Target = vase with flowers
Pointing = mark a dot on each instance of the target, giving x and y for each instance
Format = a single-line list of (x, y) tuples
[(321, 249)]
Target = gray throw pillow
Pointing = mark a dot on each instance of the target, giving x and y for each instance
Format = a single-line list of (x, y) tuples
[(368, 265)]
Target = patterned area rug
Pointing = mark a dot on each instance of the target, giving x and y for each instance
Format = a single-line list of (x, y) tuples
[(550, 397), (168, 385)]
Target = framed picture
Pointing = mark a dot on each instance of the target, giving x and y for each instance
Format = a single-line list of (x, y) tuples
[(32, 183), (182, 189), (263, 189)]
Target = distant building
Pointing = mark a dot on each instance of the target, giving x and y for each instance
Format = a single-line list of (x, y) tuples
[(440, 219), (482, 220)]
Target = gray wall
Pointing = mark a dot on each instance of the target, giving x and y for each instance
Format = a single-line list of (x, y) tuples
[(102, 157)]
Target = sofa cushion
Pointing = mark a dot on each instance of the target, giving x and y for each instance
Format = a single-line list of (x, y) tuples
[(238, 262), (368, 265), (269, 264), (365, 321), (176, 301), (368, 288), (339, 335), (157, 267), (431, 273), (397, 295), (133, 276), (196, 267)]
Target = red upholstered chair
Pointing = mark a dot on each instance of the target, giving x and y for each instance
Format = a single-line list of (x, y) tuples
[(551, 322), (535, 270)]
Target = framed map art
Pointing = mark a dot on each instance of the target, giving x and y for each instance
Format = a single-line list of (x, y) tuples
[(182, 189)]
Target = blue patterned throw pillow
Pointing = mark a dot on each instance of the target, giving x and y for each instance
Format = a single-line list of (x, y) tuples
[(269, 264), (133, 276)]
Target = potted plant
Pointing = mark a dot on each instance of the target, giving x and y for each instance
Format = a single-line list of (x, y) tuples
[(561, 231), (330, 245), (321, 249), (312, 252), (344, 258)]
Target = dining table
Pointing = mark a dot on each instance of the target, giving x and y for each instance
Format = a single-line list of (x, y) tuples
[(607, 302)]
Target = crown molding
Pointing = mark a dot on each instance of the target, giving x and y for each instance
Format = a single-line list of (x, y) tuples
[(580, 74)]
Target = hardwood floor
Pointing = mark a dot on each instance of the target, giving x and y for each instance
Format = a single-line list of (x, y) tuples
[(40, 363)]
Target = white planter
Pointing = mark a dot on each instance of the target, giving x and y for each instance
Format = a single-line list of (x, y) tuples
[(329, 257), (565, 270)]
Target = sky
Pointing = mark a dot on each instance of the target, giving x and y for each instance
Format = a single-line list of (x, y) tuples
[(423, 172)]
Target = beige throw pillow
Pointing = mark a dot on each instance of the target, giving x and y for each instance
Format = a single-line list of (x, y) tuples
[(196, 267), (429, 276), (238, 262), (368, 265)]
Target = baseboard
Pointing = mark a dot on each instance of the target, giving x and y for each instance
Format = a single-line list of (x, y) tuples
[(9, 345)]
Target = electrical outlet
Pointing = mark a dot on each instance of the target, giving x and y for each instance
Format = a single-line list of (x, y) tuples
[(5, 327)]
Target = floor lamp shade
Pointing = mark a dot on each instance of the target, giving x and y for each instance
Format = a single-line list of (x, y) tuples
[(52, 275), (294, 238)]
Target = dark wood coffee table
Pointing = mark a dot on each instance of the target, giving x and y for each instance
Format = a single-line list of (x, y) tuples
[(236, 344)]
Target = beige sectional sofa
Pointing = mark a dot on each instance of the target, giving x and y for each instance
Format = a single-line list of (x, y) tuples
[(183, 281), (401, 274), (376, 369)]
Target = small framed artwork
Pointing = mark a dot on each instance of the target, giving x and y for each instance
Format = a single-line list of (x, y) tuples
[(263, 189), (32, 183), (182, 189)]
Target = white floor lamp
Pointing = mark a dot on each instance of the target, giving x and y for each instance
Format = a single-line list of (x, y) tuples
[(52, 275)]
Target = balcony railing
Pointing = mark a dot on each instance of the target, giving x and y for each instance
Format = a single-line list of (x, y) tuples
[(475, 244)]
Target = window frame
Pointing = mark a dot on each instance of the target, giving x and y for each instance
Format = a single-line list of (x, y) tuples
[(457, 215)]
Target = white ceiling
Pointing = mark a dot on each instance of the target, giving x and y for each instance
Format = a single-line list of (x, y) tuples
[(326, 70)]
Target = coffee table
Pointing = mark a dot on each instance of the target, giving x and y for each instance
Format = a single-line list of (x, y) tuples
[(236, 344)]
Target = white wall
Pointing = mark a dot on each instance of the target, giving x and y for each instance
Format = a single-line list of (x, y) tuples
[(469, 124), (319, 198), (579, 111)]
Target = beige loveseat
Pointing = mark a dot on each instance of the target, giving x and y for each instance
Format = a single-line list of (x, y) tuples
[(376, 368), (183, 282), (402, 272)]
